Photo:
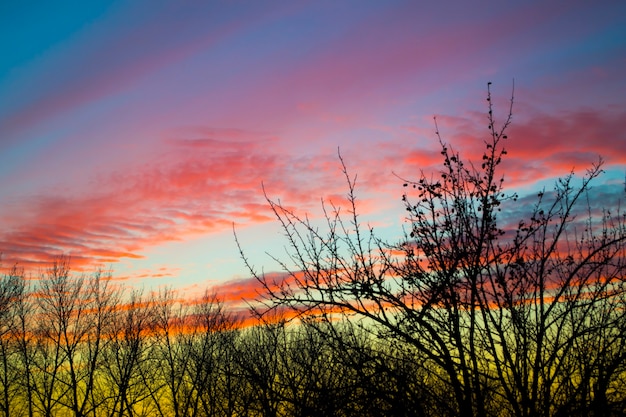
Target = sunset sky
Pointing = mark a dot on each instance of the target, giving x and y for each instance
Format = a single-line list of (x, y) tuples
[(135, 134)]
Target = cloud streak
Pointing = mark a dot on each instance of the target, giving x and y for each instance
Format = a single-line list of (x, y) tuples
[(153, 125), (195, 186)]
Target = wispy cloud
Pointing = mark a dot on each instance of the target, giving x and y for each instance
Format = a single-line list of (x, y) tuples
[(195, 186), (156, 124), (540, 145)]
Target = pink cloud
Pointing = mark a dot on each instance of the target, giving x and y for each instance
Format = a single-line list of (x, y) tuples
[(540, 145), (192, 187)]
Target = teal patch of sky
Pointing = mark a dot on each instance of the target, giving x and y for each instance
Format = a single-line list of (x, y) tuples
[(27, 32), (591, 50), (109, 56), (217, 251), (593, 39), (615, 174)]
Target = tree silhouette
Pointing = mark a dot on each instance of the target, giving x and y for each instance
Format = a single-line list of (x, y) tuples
[(12, 290), (521, 318), (126, 355)]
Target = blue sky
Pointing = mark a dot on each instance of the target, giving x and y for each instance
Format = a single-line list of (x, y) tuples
[(135, 134)]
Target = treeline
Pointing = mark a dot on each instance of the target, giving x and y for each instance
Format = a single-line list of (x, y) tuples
[(74, 345)]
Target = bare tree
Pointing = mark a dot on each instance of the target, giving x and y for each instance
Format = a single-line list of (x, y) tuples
[(102, 301), (73, 315), (56, 301), (258, 358), (497, 308), (22, 333), (130, 337), (211, 328), (191, 357), (12, 288), (230, 387), (167, 364), (314, 382)]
